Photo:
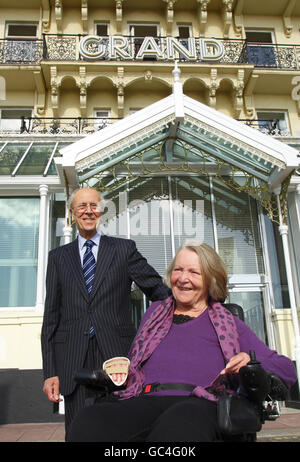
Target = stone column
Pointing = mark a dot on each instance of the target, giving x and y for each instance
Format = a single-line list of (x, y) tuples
[(42, 249)]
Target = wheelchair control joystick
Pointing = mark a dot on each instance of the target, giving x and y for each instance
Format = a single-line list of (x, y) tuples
[(255, 380)]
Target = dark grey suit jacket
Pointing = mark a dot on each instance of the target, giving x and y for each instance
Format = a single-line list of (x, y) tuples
[(70, 310)]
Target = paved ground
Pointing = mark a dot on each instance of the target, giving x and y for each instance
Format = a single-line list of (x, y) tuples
[(285, 429)]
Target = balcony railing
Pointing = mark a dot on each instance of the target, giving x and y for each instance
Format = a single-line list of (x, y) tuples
[(84, 126), (55, 126), (271, 127), (66, 48), (21, 51)]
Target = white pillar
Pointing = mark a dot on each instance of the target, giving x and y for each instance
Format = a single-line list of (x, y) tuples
[(67, 234), (43, 235), (178, 94), (283, 229), (67, 230)]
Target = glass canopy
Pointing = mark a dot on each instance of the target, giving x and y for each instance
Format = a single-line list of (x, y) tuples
[(29, 157)]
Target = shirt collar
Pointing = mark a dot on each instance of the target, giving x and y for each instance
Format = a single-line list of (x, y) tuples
[(95, 239)]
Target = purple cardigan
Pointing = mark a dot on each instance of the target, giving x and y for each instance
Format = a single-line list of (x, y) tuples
[(190, 353)]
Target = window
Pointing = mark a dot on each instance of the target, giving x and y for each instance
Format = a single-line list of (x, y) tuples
[(101, 29), (237, 230), (273, 122), (143, 30), (256, 36), (259, 53), (139, 32), (19, 230), (22, 45), (19, 30), (102, 116), (11, 119), (184, 31), (163, 212)]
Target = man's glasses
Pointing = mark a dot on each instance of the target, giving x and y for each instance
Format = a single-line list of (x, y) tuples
[(81, 208)]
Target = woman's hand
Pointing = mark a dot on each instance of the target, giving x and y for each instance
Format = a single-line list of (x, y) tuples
[(235, 363)]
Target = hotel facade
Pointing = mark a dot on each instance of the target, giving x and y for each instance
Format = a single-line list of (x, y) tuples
[(185, 114)]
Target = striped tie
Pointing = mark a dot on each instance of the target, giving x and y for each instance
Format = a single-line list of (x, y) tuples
[(89, 264)]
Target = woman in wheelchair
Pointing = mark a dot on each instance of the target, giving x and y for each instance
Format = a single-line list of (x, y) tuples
[(186, 354)]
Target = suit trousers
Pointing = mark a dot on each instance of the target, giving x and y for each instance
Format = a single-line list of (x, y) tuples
[(76, 400), (149, 419)]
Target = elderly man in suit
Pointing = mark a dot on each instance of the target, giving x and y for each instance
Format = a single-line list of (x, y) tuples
[(87, 317)]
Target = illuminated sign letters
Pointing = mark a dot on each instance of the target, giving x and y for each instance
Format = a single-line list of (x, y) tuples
[(94, 47)]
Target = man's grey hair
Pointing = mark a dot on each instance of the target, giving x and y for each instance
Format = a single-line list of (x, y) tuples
[(101, 198)]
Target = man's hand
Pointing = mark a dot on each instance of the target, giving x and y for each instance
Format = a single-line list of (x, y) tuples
[(51, 389)]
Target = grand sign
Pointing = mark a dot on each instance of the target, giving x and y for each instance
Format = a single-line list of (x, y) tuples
[(94, 47)]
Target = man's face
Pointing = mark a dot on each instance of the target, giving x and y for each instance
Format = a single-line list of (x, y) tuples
[(86, 212)]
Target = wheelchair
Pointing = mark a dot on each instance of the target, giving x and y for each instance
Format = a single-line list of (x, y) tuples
[(263, 389)]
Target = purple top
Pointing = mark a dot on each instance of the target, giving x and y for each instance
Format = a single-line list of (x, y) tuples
[(190, 353)]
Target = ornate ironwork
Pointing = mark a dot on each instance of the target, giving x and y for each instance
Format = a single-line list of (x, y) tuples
[(139, 166), (81, 125), (64, 125), (61, 47), (21, 51), (267, 126)]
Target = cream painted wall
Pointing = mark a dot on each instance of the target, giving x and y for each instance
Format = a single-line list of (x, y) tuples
[(20, 340), (284, 332)]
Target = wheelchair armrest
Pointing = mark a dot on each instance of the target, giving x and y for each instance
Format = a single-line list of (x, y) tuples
[(95, 379), (260, 384), (278, 389)]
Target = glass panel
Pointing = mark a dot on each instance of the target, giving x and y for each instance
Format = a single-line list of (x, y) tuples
[(144, 30), (237, 230), (259, 36), (52, 168), (102, 29), (192, 210), (57, 214), (253, 306), (114, 219), (149, 213), (36, 159), (21, 30), (19, 228), (10, 157), (184, 31)]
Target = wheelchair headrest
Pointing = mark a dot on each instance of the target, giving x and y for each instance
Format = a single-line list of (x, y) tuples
[(235, 309)]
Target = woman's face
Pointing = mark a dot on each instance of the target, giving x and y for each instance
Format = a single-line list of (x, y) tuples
[(187, 281)]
